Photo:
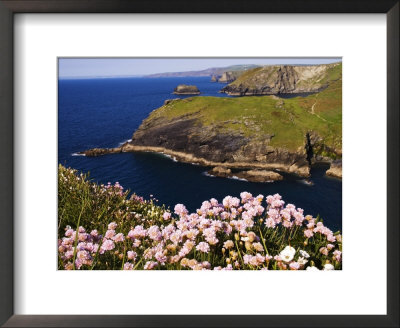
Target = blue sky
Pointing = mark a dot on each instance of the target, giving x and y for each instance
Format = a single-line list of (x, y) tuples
[(108, 67)]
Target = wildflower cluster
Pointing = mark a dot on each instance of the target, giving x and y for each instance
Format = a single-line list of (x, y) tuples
[(246, 233)]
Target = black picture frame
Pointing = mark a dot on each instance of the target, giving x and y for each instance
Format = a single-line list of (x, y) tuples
[(10, 7)]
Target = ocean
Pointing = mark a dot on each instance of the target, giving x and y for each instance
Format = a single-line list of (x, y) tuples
[(104, 112)]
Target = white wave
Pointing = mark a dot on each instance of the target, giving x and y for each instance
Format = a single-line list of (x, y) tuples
[(306, 182), (208, 174), (234, 177), (121, 143), (77, 154), (170, 157)]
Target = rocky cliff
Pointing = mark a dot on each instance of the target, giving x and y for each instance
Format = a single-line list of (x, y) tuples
[(284, 79), (208, 145), (228, 77)]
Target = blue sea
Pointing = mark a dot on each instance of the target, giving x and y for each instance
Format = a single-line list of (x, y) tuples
[(104, 112)]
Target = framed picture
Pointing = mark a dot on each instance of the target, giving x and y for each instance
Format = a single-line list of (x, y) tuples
[(196, 151)]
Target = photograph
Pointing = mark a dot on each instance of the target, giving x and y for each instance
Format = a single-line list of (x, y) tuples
[(199, 163)]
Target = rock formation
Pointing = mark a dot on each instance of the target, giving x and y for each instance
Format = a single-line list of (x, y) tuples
[(248, 175), (284, 79), (228, 77), (335, 170), (183, 89)]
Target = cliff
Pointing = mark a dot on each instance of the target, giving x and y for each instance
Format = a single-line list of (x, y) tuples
[(228, 77), (284, 79), (184, 89), (248, 132), (247, 137)]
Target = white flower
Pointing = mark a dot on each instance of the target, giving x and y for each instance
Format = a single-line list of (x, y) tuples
[(328, 267), (304, 254), (312, 268), (302, 261), (287, 254)]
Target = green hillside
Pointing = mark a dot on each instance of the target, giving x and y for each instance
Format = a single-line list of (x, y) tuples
[(287, 119)]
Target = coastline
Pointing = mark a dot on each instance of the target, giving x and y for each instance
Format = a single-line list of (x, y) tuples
[(303, 172)]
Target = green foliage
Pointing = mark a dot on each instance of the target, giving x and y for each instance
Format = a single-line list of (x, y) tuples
[(287, 119), (85, 206), (98, 205)]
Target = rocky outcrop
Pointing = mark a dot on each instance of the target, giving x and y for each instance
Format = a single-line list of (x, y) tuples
[(259, 175), (184, 89), (100, 151), (168, 101), (248, 175), (214, 78), (284, 79), (335, 170), (228, 77), (220, 171), (210, 147)]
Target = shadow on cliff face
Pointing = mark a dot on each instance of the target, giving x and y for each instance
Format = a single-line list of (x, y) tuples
[(189, 137), (309, 149)]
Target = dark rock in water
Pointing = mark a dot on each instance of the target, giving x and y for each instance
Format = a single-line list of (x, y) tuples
[(183, 89), (259, 175), (101, 151), (220, 171), (249, 175)]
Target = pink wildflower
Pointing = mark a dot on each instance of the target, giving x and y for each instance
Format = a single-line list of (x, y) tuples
[(294, 266), (154, 233), (180, 209), (228, 244), (128, 266), (308, 233), (107, 246), (132, 255), (150, 265), (110, 234), (338, 255), (213, 202), (245, 196), (119, 237), (324, 251), (203, 247)]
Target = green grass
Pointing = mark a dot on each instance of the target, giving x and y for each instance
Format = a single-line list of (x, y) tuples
[(288, 119)]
